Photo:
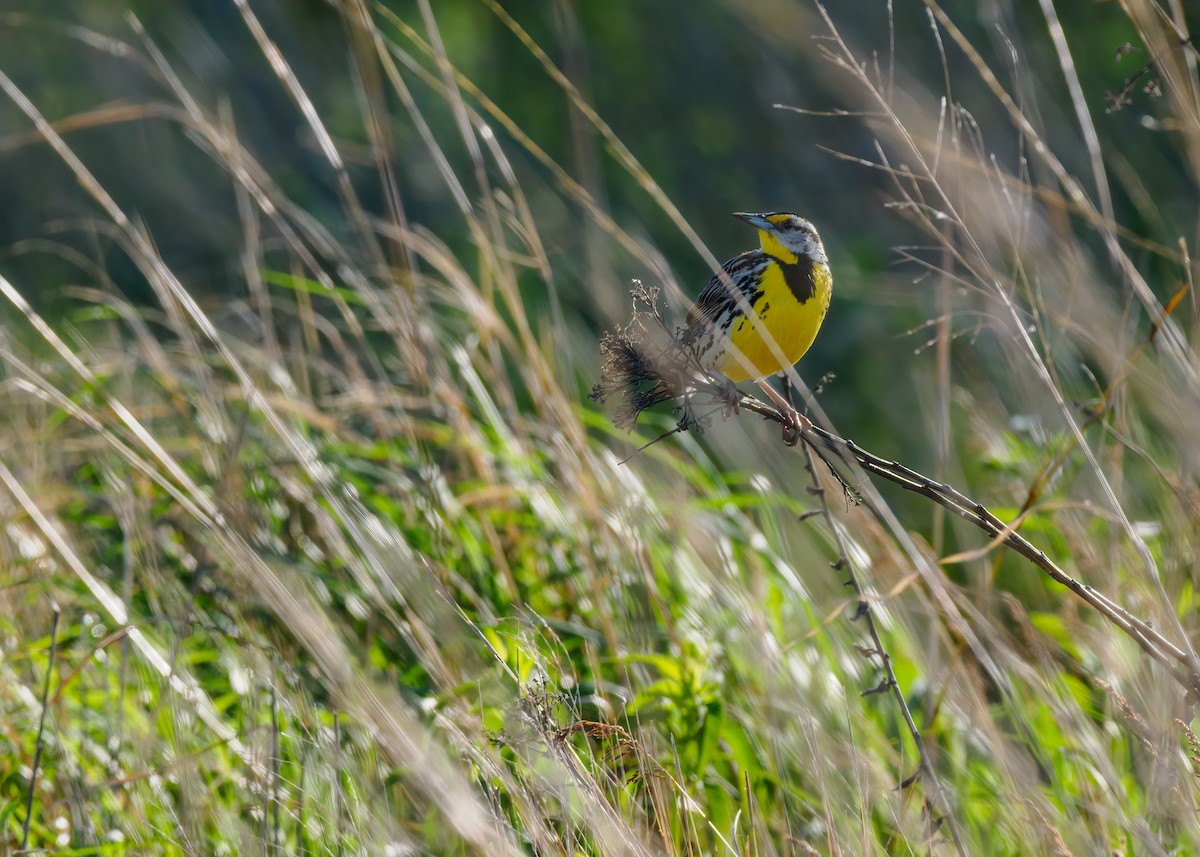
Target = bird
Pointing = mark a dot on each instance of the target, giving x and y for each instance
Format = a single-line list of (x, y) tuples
[(785, 284)]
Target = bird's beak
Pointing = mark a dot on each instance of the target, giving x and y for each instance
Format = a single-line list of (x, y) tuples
[(755, 220)]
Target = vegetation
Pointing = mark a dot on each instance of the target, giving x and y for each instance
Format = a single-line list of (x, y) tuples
[(314, 543)]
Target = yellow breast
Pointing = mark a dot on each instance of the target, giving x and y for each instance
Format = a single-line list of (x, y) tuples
[(791, 323)]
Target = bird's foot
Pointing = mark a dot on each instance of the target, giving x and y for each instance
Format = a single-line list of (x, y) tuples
[(728, 395), (794, 423)]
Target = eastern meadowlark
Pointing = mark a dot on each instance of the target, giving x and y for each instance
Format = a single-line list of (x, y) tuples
[(786, 284), (753, 320)]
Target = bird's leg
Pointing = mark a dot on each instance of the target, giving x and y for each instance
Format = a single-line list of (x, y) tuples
[(789, 393), (796, 423), (727, 394)]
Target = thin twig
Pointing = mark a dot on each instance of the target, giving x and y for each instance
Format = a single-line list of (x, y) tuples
[(1122, 98), (273, 770), (889, 684), (338, 797), (37, 746)]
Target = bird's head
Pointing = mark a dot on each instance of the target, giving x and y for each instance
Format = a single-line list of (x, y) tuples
[(787, 237)]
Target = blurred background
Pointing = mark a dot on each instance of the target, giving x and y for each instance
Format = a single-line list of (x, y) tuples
[(726, 107), (302, 304)]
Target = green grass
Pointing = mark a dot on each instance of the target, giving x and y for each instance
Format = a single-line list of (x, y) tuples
[(313, 544)]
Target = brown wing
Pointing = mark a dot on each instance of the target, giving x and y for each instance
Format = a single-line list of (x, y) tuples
[(717, 296)]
